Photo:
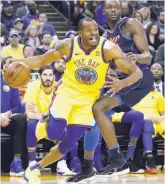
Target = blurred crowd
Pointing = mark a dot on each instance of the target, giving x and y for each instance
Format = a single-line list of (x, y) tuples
[(149, 13), (26, 32)]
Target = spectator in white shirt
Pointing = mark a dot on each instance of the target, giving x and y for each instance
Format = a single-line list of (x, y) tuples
[(157, 72)]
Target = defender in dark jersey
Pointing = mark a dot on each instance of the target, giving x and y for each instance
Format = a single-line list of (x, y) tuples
[(130, 36)]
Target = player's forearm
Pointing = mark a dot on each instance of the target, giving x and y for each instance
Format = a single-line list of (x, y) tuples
[(133, 77), (39, 61), (144, 58), (31, 115)]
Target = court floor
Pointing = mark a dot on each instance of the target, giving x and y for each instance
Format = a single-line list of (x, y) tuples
[(127, 179)]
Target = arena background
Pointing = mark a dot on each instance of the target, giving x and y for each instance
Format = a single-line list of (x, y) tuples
[(64, 16)]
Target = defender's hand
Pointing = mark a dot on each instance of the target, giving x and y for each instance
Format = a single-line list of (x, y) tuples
[(131, 57), (114, 83)]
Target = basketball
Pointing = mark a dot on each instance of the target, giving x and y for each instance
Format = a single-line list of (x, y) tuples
[(17, 74)]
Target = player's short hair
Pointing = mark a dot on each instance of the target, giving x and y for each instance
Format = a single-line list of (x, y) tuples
[(103, 3), (47, 67), (80, 24)]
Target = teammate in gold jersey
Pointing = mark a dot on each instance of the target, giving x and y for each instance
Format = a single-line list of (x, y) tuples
[(88, 58)]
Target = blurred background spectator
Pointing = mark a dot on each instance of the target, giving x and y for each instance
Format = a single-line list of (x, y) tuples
[(7, 15), (99, 16), (22, 11), (127, 9), (28, 51), (31, 16), (45, 46), (157, 72), (14, 49), (13, 123), (59, 67), (145, 11), (18, 26), (44, 26), (161, 24), (152, 34), (90, 8), (31, 37), (159, 57), (135, 5), (79, 9), (138, 16), (70, 34), (4, 36)]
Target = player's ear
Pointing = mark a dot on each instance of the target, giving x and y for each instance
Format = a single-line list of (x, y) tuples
[(79, 33)]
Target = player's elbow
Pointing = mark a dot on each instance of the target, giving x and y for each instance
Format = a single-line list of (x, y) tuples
[(149, 56)]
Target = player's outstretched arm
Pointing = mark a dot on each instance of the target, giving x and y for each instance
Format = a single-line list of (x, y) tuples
[(113, 52), (62, 48), (140, 40)]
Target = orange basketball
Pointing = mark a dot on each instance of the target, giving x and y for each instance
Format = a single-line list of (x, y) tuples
[(17, 74)]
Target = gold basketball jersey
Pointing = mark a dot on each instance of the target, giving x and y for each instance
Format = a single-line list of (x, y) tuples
[(85, 71)]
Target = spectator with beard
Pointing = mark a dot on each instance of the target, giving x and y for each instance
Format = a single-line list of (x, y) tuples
[(37, 99), (7, 15), (46, 41), (32, 16), (157, 72), (59, 67)]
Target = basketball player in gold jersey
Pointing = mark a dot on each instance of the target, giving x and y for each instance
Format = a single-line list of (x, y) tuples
[(88, 58)]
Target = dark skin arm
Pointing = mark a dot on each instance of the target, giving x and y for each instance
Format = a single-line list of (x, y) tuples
[(113, 52), (62, 48), (139, 36)]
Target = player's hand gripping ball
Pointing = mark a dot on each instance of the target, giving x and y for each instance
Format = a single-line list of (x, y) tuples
[(17, 74)]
